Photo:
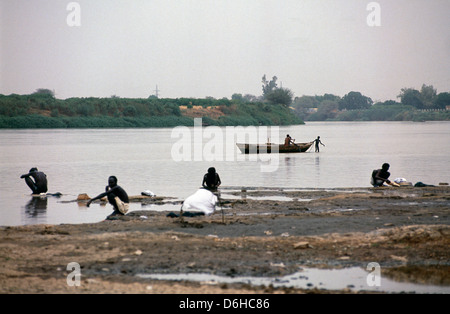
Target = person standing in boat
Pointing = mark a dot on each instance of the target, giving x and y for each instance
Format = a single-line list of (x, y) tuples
[(288, 140), (317, 142), (36, 181), (117, 197), (211, 180)]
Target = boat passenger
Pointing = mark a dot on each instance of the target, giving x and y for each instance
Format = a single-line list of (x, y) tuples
[(288, 140)]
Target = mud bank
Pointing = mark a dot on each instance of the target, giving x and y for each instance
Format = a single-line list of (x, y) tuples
[(254, 232)]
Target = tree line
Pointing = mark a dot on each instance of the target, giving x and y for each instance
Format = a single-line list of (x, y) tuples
[(355, 106), (42, 109), (276, 106)]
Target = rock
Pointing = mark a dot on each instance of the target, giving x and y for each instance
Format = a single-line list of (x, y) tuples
[(302, 245), (137, 252), (299, 208), (399, 258), (83, 197), (277, 265), (148, 193)]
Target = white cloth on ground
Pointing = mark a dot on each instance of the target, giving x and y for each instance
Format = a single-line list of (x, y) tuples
[(203, 200)]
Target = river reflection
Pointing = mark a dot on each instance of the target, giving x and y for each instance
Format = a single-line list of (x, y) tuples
[(36, 206)]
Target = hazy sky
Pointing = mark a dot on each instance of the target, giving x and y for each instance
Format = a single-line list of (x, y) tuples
[(199, 48)]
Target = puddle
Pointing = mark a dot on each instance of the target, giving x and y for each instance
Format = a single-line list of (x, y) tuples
[(161, 207), (353, 278), (269, 198), (265, 198)]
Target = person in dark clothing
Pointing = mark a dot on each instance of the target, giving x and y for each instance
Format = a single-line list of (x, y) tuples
[(116, 197), (211, 180), (36, 181), (317, 142), (382, 175)]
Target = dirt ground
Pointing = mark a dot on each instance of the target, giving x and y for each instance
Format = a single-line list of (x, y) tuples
[(254, 232)]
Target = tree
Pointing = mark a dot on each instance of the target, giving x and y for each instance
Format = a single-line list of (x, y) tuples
[(44, 92), (237, 97), (252, 98), (355, 100), (442, 101), (130, 111), (281, 96), (274, 94), (268, 87), (428, 96), (411, 97), (305, 102), (327, 109), (329, 97)]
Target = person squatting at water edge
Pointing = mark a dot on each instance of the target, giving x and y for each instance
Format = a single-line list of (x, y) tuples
[(211, 180), (204, 201), (116, 197), (379, 176), (39, 185)]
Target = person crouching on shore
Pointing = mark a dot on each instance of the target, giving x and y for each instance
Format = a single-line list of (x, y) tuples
[(116, 197)]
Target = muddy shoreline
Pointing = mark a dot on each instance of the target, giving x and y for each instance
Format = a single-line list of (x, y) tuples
[(254, 232)]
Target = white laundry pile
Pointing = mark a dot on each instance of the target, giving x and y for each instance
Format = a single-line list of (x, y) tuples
[(203, 200)]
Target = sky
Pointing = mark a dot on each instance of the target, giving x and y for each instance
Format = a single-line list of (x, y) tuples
[(216, 48)]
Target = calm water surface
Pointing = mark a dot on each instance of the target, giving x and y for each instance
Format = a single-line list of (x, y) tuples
[(81, 160)]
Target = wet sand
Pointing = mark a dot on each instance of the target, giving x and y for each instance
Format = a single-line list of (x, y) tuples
[(260, 232)]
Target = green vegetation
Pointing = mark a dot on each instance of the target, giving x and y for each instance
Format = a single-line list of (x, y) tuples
[(274, 94), (414, 105), (42, 110), (275, 107)]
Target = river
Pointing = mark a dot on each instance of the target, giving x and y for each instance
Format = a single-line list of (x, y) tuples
[(172, 162)]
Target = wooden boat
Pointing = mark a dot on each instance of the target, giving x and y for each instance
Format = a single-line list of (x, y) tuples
[(275, 148)]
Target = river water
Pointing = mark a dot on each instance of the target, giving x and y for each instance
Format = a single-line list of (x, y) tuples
[(172, 162)]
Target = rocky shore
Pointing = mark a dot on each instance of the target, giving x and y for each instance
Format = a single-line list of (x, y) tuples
[(254, 232)]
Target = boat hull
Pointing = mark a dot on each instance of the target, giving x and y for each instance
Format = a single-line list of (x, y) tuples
[(273, 148)]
